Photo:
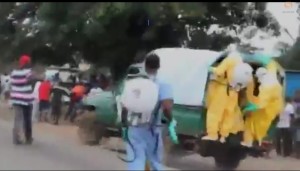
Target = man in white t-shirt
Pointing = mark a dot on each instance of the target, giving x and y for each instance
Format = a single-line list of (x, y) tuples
[(284, 138), (35, 104), (5, 85)]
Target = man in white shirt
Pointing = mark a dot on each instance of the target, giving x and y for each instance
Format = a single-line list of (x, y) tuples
[(284, 138), (35, 103), (5, 85)]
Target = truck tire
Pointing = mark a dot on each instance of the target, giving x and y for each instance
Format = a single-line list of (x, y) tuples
[(227, 163), (90, 132), (228, 157), (204, 148)]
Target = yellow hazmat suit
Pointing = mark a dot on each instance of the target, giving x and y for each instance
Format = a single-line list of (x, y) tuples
[(232, 121), (250, 92), (269, 104), (218, 96), (272, 67), (215, 97), (213, 84), (221, 99), (238, 120)]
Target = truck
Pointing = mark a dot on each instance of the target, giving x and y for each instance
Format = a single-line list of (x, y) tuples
[(187, 72)]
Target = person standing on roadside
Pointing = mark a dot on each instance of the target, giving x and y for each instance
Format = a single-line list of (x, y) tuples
[(141, 130), (36, 101), (77, 94), (284, 136), (44, 97), (5, 82), (58, 92), (21, 99), (296, 125)]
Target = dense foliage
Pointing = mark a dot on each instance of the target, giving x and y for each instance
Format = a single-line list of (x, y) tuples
[(114, 34)]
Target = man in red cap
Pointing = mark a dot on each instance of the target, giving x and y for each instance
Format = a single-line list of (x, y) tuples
[(21, 99)]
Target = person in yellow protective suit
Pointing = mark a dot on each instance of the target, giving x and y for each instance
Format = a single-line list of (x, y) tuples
[(232, 121), (238, 121), (252, 98), (213, 84), (261, 113), (272, 66), (220, 98)]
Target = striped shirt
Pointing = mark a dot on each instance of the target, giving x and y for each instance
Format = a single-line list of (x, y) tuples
[(21, 88)]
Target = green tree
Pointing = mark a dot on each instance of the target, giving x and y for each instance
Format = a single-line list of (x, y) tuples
[(113, 33)]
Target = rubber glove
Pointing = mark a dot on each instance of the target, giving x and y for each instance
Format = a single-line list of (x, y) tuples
[(248, 104), (172, 131), (124, 133), (263, 58), (250, 107)]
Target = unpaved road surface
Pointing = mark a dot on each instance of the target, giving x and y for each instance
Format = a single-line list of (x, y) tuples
[(57, 148)]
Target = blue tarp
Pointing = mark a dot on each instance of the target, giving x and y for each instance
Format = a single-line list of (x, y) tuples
[(292, 82)]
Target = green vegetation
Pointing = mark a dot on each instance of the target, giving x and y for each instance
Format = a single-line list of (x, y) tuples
[(113, 34)]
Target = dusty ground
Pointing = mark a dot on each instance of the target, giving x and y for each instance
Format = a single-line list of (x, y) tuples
[(58, 145)]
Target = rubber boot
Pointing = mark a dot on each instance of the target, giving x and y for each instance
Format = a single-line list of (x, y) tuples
[(222, 140), (245, 144), (210, 138)]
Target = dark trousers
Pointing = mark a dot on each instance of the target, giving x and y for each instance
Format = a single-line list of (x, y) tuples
[(70, 109), (44, 107), (56, 112), (22, 122), (77, 107), (284, 141)]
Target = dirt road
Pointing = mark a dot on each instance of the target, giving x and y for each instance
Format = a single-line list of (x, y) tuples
[(57, 148)]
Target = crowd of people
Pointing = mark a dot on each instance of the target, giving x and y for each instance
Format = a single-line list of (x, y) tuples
[(41, 100)]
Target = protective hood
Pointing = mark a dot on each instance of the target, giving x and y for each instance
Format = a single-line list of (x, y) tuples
[(242, 75), (266, 78)]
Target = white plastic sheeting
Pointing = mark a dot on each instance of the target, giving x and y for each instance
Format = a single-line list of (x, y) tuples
[(186, 70)]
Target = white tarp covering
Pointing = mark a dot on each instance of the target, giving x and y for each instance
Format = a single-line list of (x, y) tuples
[(186, 70)]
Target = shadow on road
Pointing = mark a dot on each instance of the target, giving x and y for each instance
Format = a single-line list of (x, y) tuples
[(182, 160)]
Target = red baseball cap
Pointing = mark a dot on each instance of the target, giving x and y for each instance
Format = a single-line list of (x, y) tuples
[(24, 59)]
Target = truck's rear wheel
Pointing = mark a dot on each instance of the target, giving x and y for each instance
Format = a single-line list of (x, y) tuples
[(204, 148), (89, 131), (227, 163), (228, 157)]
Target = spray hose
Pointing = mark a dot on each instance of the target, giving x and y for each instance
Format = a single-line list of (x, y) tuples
[(125, 137)]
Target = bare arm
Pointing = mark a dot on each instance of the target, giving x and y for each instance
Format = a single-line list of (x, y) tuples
[(166, 100), (167, 106)]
